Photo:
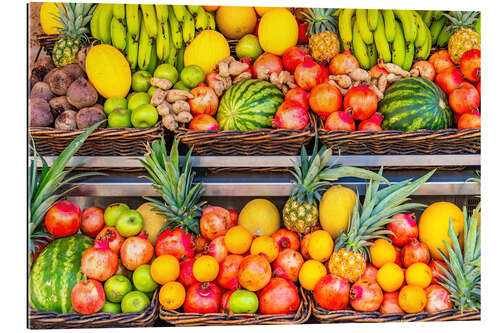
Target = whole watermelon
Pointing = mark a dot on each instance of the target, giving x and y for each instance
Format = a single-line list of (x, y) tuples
[(55, 272), (415, 103), (249, 105)]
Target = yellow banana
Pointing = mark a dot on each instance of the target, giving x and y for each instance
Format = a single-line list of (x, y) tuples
[(119, 11), (94, 22), (194, 10), (361, 18), (410, 52), (409, 24), (201, 20), (145, 44), (153, 60), (188, 28), (372, 17), (389, 24), (421, 38), (424, 51), (160, 40), (383, 48), (172, 55), (345, 25), (105, 22), (179, 11), (149, 18), (167, 44), (132, 50), (179, 64), (162, 13), (175, 29), (399, 46), (211, 21), (133, 17), (436, 28), (118, 34), (359, 47)]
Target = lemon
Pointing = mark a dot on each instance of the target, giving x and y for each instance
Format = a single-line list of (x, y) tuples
[(390, 277), (382, 252), (320, 245), (310, 273), (419, 274)]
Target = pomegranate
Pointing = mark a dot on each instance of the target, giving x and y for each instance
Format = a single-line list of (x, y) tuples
[(291, 115), (325, 99), (342, 63), (202, 298), (87, 297), (426, 69), (213, 225), (203, 122), (449, 79), (376, 71), (370, 272), (304, 246), (115, 240), (217, 249), (438, 299), (92, 221), (441, 60), (205, 101), (469, 120), (414, 252), (332, 292), (186, 276), (286, 239), (223, 212), (279, 297), (99, 262), (363, 102), (228, 272), (464, 98), (288, 265), (233, 217), (292, 57), (470, 65), (175, 242), (372, 124), (254, 273), (224, 302), (324, 73), (340, 121), (365, 295), (136, 251), (201, 244), (303, 37), (398, 256), (404, 228), (63, 219), (267, 63), (478, 87), (390, 303), (308, 74), (436, 270), (299, 96)]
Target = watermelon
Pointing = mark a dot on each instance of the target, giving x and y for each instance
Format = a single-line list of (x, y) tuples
[(55, 272), (249, 105), (415, 103)]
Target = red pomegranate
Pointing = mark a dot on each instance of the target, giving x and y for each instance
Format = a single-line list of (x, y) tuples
[(203, 122), (478, 87), (92, 221), (441, 60), (299, 96), (308, 74), (398, 256), (340, 121), (63, 219), (286, 239), (365, 295), (370, 272), (99, 262), (186, 276), (279, 297), (201, 244), (414, 252), (292, 57), (254, 272), (223, 212), (304, 246), (404, 228), (224, 302), (425, 69), (288, 265), (464, 98), (175, 242), (470, 65), (449, 79), (469, 120), (136, 251), (233, 217), (325, 99), (332, 292), (324, 72), (213, 225), (342, 63), (390, 303), (115, 240), (267, 63), (202, 298), (205, 101), (372, 124), (436, 270), (228, 272), (217, 249), (87, 297), (438, 299), (362, 100), (377, 71), (291, 115)]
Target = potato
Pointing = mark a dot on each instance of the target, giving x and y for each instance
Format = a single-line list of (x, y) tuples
[(66, 120), (60, 81), (41, 90), (87, 117), (59, 104), (81, 93), (75, 71), (39, 113)]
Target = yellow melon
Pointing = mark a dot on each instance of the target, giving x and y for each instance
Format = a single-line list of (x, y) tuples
[(278, 30), (47, 19), (206, 50), (235, 22), (260, 217), (262, 10), (335, 208), (153, 222)]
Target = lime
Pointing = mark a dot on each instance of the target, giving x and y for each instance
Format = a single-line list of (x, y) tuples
[(142, 279), (243, 301), (248, 46), (141, 81), (152, 90), (119, 118), (137, 100), (192, 75), (166, 71), (116, 287), (134, 301), (111, 307), (180, 85), (114, 103)]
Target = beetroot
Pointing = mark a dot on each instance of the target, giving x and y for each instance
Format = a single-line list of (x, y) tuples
[(81, 93), (66, 120), (39, 113), (87, 117), (59, 104), (75, 70), (41, 90), (40, 69), (60, 81)]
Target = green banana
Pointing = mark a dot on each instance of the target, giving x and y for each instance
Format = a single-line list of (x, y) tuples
[(133, 17), (428, 17), (145, 44), (194, 10), (167, 45), (188, 28), (381, 42), (132, 50), (437, 14), (345, 25), (421, 38), (409, 24), (179, 11), (149, 18), (399, 46), (105, 22), (175, 29), (429, 45), (172, 55), (372, 54), (372, 17), (443, 37), (201, 20), (119, 11), (211, 21), (179, 64), (477, 25), (359, 47), (389, 24), (118, 34), (161, 13), (408, 60), (423, 52), (436, 28), (153, 60), (361, 18), (94, 22), (160, 41)]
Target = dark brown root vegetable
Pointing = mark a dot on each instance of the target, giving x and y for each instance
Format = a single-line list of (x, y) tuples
[(59, 104), (47, 77), (41, 90), (40, 69), (60, 81), (87, 117), (81, 93), (82, 57), (66, 120), (75, 71), (39, 113)]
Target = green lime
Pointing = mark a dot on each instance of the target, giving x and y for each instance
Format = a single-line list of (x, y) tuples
[(119, 118), (114, 103), (116, 287), (138, 99), (248, 46), (111, 307), (192, 75), (142, 279), (180, 85), (141, 81), (243, 301), (152, 90), (166, 71), (134, 301)]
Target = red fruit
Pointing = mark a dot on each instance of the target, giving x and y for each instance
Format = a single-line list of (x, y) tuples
[(92, 221), (201, 244), (324, 73), (205, 101), (202, 84), (303, 37), (376, 71), (372, 124), (325, 99), (436, 270), (248, 61), (63, 219), (398, 256), (464, 98), (267, 63), (99, 262), (228, 272), (202, 298), (213, 225), (343, 63), (441, 60), (404, 228), (340, 121), (115, 240), (426, 69), (370, 273), (254, 272), (304, 246), (288, 265), (469, 120), (186, 276), (256, 30), (363, 102), (203, 122), (332, 292), (414, 252), (292, 57), (286, 239), (478, 87), (279, 297), (233, 217), (175, 242), (438, 299), (308, 74), (365, 295), (291, 115), (212, 80), (136, 251), (224, 302), (299, 96), (217, 249), (390, 303), (449, 79), (470, 65), (87, 297)]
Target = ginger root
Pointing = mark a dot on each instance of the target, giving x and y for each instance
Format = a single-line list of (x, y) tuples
[(161, 83), (394, 69), (263, 74), (391, 77), (158, 97), (174, 95), (165, 109), (382, 82), (415, 72), (169, 122), (180, 106), (223, 66), (344, 81), (184, 117), (335, 84), (359, 74), (377, 92), (241, 77), (236, 68), (222, 85)]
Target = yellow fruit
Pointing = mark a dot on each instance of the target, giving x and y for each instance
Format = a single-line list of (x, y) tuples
[(382, 252), (47, 19), (434, 224), (153, 222), (278, 30), (108, 71), (419, 274), (262, 10), (335, 207), (210, 8), (238, 240), (310, 273), (320, 245), (165, 268), (235, 22), (260, 217), (172, 295), (205, 268), (265, 245), (206, 50), (390, 277), (412, 299)]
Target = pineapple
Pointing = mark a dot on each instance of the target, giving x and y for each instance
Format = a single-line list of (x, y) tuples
[(463, 37), (322, 31), (174, 183), (367, 224), (300, 213), (73, 19)]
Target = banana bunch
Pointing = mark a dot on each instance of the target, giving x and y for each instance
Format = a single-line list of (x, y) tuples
[(437, 24), (394, 36)]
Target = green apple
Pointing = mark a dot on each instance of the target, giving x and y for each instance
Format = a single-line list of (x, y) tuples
[(113, 212), (143, 280), (111, 307), (138, 99), (166, 71), (129, 223), (248, 46), (192, 75), (119, 118), (141, 81), (116, 287), (134, 301), (114, 103), (144, 116), (180, 85), (152, 90)]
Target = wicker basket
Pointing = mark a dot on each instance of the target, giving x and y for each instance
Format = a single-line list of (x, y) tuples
[(47, 320), (221, 319)]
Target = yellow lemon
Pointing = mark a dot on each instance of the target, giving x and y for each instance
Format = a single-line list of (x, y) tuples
[(265, 245), (382, 252), (165, 268), (310, 273), (419, 274), (238, 240), (172, 295), (205, 268), (320, 245), (412, 299), (390, 277)]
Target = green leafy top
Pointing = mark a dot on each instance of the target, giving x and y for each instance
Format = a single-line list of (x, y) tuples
[(74, 18), (461, 19), (320, 19)]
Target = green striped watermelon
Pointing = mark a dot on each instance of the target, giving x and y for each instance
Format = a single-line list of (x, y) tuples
[(56, 270), (415, 103), (249, 105)]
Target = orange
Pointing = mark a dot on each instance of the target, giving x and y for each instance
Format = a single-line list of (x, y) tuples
[(238, 240), (382, 252), (320, 245), (310, 273), (210, 8), (235, 22), (265, 245), (165, 268), (205, 268), (172, 295), (419, 274), (412, 299), (390, 277)]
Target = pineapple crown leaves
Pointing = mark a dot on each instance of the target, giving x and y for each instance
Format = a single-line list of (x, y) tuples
[(74, 18), (461, 19), (321, 19)]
